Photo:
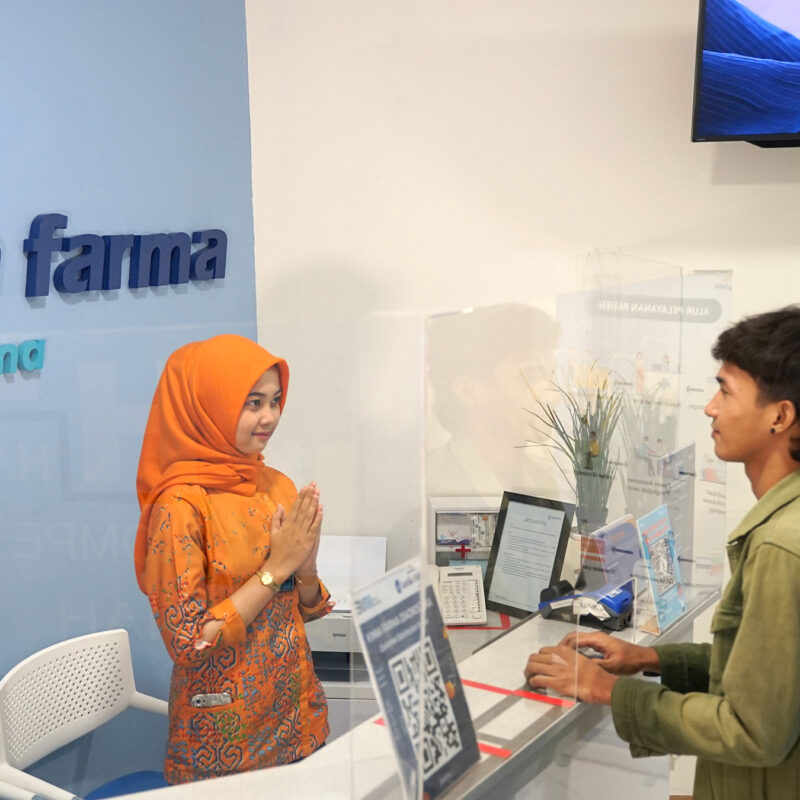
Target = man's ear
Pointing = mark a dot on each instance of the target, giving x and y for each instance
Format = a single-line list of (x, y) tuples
[(785, 415)]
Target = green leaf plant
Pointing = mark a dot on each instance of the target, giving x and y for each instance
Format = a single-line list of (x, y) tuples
[(582, 431)]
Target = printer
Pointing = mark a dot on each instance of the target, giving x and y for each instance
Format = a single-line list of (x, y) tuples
[(333, 639)]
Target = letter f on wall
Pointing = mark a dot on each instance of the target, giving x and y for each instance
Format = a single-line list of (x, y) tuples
[(40, 248)]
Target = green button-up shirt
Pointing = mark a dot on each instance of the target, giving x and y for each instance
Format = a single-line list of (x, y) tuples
[(736, 702)]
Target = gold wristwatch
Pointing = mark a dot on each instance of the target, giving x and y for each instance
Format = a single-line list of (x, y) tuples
[(267, 579)]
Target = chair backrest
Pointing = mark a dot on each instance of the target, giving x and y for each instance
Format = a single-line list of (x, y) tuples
[(63, 692)]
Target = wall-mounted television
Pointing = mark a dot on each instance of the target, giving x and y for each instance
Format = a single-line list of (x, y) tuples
[(747, 79)]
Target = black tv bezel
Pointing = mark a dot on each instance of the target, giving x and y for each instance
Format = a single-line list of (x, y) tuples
[(758, 139)]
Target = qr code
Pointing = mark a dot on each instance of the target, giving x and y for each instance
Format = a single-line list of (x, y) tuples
[(441, 739), (663, 566)]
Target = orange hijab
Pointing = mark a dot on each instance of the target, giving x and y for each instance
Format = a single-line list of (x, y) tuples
[(191, 431)]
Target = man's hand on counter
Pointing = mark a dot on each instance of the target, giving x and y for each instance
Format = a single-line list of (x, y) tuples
[(564, 669)]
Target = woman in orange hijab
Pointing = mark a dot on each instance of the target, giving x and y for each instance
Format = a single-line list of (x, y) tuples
[(226, 553)]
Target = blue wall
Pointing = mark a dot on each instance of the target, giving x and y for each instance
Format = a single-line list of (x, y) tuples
[(127, 118)]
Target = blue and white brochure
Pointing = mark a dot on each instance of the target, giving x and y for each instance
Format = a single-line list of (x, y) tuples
[(611, 553), (661, 574)]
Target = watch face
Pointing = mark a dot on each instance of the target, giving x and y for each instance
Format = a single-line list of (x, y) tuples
[(266, 578)]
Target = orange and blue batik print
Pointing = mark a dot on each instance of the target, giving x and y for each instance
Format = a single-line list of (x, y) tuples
[(201, 546)]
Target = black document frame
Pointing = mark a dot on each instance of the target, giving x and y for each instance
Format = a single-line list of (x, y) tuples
[(494, 569)]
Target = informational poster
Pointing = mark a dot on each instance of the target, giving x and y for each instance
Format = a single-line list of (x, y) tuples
[(416, 681)]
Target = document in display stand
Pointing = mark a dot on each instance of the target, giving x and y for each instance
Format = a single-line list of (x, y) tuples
[(410, 664), (527, 552)]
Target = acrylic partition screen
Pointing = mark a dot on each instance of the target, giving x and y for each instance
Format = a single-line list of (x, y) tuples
[(594, 400), (354, 425), (635, 349), (360, 441), (485, 368)]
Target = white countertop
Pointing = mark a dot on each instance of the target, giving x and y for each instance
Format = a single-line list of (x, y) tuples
[(361, 764)]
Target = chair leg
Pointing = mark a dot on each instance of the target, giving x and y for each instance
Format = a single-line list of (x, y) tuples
[(24, 781)]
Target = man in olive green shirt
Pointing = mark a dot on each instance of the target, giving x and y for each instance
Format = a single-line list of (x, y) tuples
[(736, 702)]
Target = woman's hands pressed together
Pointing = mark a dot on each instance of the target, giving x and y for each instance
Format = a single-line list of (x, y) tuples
[(295, 535), (294, 542)]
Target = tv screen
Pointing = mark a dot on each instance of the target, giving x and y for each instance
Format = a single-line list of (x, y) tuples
[(747, 83)]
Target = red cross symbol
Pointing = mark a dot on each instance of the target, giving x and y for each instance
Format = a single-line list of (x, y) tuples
[(463, 549)]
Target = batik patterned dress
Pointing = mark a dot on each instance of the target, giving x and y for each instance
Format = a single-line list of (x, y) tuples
[(202, 545)]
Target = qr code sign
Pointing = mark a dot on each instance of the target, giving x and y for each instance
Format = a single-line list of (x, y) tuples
[(441, 739), (663, 566)]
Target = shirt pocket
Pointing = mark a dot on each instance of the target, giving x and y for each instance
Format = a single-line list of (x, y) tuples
[(219, 727), (724, 628)]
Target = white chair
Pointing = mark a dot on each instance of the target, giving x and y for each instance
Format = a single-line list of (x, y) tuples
[(56, 696), (9, 792)]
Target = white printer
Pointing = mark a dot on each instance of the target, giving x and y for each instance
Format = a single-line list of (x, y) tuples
[(343, 562)]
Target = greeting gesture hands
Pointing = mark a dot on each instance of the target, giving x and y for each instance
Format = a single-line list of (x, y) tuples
[(295, 534)]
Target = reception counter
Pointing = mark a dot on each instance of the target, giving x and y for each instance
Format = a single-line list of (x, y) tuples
[(532, 746)]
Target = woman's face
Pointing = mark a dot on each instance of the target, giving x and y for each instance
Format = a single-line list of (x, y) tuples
[(260, 414)]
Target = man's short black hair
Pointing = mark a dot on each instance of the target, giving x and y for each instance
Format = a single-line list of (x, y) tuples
[(767, 346)]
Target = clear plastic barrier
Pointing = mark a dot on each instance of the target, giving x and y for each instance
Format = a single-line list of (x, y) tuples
[(592, 400)]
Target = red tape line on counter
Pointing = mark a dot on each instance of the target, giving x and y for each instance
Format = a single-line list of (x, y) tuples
[(491, 750), (542, 698)]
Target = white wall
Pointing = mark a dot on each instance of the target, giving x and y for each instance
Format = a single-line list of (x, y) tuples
[(417, 156)]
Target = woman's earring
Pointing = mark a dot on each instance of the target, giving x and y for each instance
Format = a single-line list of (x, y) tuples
[(772, 430)]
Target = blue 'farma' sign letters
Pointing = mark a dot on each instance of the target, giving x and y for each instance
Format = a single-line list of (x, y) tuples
[(156, 259)]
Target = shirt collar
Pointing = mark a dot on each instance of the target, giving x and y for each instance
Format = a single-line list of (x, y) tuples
[(783, 492)]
